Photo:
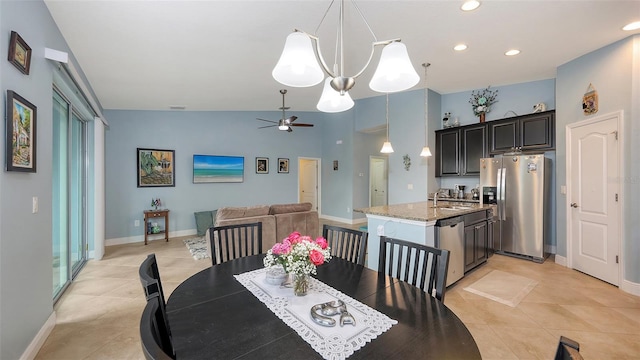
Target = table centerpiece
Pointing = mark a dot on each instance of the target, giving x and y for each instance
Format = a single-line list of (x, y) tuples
[(299, 255)]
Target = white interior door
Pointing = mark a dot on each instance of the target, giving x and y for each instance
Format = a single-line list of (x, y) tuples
[(378, 182), (593, 208), (308, 182)]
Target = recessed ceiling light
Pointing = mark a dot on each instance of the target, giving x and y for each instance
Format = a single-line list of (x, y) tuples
[(512, 52), (470, 5), (632, 26), (460, 47)]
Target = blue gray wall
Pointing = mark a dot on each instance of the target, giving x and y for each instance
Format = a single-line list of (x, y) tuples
[(25, 238), (615, 72)]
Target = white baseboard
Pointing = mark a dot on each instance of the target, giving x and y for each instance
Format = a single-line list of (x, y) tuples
[(630, 287), (140, 238), (561, 260), (343, 220), (36, 344)]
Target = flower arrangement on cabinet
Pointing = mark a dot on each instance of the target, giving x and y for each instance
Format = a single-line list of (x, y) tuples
[(481, 101), (298, 254)]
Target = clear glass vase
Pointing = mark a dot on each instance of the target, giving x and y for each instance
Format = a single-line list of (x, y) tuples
[(300, 284)]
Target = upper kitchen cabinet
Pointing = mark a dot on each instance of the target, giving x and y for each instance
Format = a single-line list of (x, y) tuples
[(527, 132), (459, 150), (448, 152)]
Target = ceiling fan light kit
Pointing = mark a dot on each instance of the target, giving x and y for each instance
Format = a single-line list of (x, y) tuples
[(301, 66), (285, 123)]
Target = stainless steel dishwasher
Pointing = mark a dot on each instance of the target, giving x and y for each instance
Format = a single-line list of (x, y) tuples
[(450, 236)]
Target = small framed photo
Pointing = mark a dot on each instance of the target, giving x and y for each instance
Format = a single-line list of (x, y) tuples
[(283, 166), (155, 168), (21, 133), (262, 165), (19, 53)]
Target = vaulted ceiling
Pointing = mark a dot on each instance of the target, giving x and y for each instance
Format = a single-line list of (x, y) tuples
[(218, 55)]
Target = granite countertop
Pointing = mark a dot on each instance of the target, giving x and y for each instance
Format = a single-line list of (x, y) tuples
[(424, 211)]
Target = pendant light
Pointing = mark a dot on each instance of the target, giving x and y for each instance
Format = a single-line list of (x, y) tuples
[(302, 65), (386, 147), (426, 152)]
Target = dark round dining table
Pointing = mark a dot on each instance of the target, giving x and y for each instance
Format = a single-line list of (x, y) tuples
[(213, 316)]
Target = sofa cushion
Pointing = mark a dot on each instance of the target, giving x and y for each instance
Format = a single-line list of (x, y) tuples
[(289, 208), (240, 212), (204, 220)]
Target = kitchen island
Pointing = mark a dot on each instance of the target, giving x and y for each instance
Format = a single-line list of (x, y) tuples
[(416, 222)]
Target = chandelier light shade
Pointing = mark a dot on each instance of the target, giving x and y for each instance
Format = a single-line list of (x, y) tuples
[(395, 71), (331, 101), (298, 66), (386, 146), (302, 65)]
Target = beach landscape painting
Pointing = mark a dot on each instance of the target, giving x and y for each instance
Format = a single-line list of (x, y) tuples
[(217, 169)]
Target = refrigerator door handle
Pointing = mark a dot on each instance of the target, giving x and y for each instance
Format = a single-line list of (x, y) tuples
[(498, 193), (502, 200)]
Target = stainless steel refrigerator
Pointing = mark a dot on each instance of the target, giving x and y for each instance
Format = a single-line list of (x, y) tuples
[(519, 186)]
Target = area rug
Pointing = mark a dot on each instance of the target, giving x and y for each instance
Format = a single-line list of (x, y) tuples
[(503, 287), (197, 247)]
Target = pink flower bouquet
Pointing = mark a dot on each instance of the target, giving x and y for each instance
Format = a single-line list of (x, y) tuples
[(298, 254)]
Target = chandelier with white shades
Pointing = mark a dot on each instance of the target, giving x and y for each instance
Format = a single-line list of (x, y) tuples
[(302, 65)]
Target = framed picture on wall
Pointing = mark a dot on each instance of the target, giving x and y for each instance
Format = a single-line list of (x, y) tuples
[(19, 53), (218, 169), (283, 166), (21, 134), (156, 168), (262, 165)]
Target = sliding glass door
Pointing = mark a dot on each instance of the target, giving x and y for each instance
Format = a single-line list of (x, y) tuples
[(69, 193)]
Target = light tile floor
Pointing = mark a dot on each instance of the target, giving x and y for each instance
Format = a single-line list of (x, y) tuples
[(98, 316)]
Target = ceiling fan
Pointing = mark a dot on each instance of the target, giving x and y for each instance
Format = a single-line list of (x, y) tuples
[(286, 122)]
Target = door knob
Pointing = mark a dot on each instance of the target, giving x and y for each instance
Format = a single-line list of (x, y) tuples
[(574, 205)]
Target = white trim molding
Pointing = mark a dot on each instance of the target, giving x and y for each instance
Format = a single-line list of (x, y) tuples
[(36, 344), (140, 238), (630, 287)]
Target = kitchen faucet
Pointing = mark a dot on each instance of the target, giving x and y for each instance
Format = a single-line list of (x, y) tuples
[(435, 199)]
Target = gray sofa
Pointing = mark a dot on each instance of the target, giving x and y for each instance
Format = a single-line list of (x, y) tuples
[(278, 221)]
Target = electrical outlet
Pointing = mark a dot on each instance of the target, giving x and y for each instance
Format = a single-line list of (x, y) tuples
[(380, 230), (34, 205), (348, 210), (136, 223), (410, 186)]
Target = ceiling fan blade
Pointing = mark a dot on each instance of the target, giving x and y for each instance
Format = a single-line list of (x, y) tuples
[(291, 119), (307, 125), (289, 129), (268, 126), (271, 121)]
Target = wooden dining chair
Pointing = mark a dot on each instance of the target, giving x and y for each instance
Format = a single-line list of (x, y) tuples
[(346, 243), (230, 242), (154, 335), (152, 286), (568, 349), (416, 264), (150, 277)]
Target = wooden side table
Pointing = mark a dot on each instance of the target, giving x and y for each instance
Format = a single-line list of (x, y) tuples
[(151, 214)]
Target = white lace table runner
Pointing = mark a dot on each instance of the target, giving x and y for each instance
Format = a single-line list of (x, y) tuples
[(331, 342)]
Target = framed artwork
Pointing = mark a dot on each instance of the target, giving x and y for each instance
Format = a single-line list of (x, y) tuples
[(21, 133), (283, 166), (262, 165), (217, 169), (156, 168), (19, 53)]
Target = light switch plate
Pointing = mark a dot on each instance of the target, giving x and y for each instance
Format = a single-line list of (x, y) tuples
[(380, 230), (34, 205)]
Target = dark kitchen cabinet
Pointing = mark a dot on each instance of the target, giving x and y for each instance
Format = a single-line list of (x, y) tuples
[(475, 240), (526, 133), (448, 152), (474, 148), (459, 150)]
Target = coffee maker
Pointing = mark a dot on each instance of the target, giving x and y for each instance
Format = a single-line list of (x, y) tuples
[(460, 191)]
